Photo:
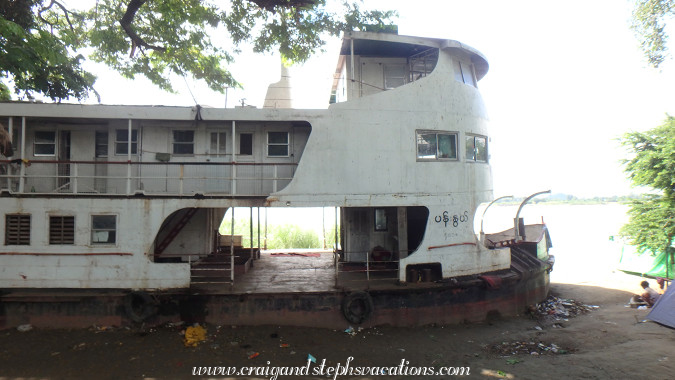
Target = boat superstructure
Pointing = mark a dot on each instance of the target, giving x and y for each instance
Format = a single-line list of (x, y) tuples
[(132, 197)]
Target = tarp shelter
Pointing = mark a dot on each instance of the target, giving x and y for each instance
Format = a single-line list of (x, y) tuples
[(647, 263), (663, 311)]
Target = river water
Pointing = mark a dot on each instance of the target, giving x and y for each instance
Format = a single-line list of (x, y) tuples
[(581, 238)]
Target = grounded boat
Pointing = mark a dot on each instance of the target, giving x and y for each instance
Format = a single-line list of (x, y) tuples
[(111, 213)]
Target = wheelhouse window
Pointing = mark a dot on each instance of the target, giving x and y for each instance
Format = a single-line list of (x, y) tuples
[(476, 148), (394, 76), (122, 141), (277, 144), (217, 144), (464, 73), (44, 143), (246, 144), (17, 229), (103, 229), (61, 230), (184, 142), (436, 145), (101, 144)]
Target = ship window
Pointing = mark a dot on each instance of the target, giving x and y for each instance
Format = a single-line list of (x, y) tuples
[(277, 144), (380, 219), (184, 142), (394, 76), (217, 147), (101, 144), (44, 143), (464, 73), (61, 230), (17, 229), (103, 229), (122, 141), (246, 144), (476, 148), (436, 145)]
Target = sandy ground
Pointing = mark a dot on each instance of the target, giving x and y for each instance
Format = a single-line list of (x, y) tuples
[(609, 342)]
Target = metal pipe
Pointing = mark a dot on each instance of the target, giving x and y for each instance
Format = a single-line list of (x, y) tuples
[(22, 171), (515, 222), (485, 211)]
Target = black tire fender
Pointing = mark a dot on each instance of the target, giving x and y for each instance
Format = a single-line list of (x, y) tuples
[(139, 306), (357, 307)]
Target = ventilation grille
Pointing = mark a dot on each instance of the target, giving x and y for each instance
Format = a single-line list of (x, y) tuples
[(61, 230), (17, 229)]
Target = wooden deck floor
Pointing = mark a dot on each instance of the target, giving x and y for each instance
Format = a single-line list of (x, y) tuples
[(297, 271)]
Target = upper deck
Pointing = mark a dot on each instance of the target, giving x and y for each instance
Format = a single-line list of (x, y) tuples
[(103, 150)]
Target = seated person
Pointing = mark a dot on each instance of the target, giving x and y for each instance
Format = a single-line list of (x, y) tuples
[(650, 296)]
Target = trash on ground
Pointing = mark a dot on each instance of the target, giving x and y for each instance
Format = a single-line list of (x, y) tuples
[(526, 348), (24, 328), (194, 335)]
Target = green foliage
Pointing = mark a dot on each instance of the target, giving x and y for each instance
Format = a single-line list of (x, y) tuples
[(280, 236), (39, 39), (649, 24), (652, 218)]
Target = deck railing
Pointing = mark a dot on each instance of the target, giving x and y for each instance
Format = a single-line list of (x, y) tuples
[(149, 178)]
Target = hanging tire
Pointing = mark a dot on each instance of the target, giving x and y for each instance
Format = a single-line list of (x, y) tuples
[(139, 306), (357, 307)]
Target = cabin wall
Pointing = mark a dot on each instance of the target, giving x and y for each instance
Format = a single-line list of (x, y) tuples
[(102, 168)]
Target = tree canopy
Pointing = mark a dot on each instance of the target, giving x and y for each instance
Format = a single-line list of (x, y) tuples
[(43, 43), (652, 218), (650, 19)]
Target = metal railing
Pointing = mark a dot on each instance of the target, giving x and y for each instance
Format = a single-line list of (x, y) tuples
[(149, 178)]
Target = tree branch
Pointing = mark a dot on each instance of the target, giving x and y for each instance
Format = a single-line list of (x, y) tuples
[(127, 19), (269, 5)]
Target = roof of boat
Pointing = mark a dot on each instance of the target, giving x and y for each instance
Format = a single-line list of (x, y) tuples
[(395, 45)]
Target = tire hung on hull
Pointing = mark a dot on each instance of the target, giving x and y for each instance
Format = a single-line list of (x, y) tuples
[(139, 306), (357, 307)]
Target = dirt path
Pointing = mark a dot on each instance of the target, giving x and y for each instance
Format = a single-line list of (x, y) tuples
[(606, 343)]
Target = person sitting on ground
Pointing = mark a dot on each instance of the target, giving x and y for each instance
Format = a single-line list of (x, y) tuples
[(650, 295)]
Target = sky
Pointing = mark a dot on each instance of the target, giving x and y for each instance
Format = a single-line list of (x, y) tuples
[(566, 80)]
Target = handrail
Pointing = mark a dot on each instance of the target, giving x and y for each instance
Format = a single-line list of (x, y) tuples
[(516, 220)]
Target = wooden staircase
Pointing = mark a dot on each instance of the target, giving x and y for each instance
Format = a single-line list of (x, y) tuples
[(216, 268)]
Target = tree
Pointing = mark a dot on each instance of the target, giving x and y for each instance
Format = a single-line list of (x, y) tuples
[(41, 40), (649, 24), (652, 219)]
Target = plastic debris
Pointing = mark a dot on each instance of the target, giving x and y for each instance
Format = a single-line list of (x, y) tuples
[(284, 345), (311, 358), (194, 335), (526, 348), (554, 309), (253, 355), (24, 328)]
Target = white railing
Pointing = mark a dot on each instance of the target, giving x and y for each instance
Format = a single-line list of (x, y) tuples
[(129, 178)]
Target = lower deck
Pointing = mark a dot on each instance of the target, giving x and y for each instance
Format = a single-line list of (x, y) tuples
[(301, 271)]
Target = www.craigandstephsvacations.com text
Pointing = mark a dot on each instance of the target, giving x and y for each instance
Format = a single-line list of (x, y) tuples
[(312, 368)]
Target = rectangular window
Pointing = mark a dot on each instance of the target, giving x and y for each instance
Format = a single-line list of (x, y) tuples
[(476, 148), (380, 219), (61, 230), (122, 141), (436, 145), (184, 142), (464, 73), (246, 144), (17, 229), (217, 145), (277, 144), (394, 76), (103, 229), (44, 143), (101, 143)]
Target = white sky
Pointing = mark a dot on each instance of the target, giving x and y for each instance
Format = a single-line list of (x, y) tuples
[(566, 79)]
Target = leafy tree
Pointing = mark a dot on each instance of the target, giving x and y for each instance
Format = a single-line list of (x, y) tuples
[(652, 219), (649, 24), (41, 40)]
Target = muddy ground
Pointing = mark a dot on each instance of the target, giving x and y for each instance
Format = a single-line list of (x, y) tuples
[(608, 342)]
